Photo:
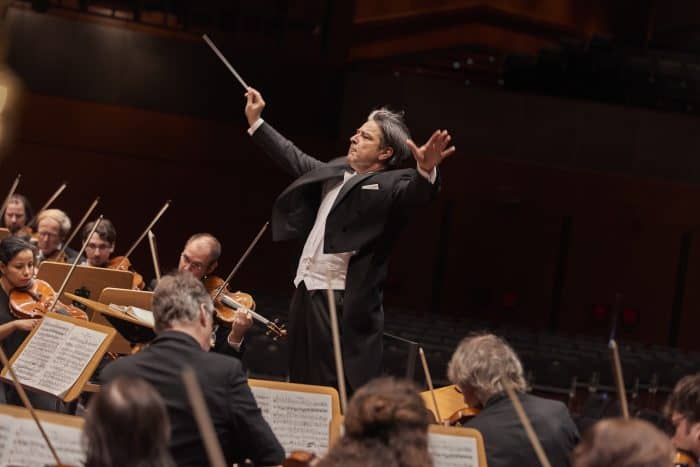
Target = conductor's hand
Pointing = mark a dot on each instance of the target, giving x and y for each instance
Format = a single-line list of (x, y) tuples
[(254, 105), (242, 321), (432, 153)]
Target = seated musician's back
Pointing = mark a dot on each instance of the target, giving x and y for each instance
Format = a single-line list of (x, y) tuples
[(183, 311), (479, 367)]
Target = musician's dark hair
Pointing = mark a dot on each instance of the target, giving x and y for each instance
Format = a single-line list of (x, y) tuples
[(11, 246), (127, 424), (685, 399), (615, 442), (21, 199), (105, 230), (213, 241), (394, 133), (386, 419)]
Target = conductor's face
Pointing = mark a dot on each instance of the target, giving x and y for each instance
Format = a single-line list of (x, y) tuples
[(365, 153)]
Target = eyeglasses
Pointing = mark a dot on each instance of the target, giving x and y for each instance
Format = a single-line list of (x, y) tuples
[(194, 266), (47, 234), (98, 246)]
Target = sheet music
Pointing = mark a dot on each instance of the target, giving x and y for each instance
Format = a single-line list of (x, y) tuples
[(24, 444), (56, 355), (453, 451), (299, 420), (146, 316)]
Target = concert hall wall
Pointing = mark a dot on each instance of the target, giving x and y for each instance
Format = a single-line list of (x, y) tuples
[(550, 206)]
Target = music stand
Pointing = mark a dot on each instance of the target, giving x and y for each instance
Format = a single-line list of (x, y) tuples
[(129, 331), (86, 281)]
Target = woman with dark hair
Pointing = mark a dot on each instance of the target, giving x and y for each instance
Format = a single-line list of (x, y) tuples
[(386, 425), (17, 271), (126, 424), (17, 213)]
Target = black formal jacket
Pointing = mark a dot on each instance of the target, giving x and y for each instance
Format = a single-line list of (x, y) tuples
[(506, 442), (242, 431), (363, 220)]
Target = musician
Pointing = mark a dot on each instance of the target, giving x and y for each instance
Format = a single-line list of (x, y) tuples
[(126, 424), (479, 367), (17, 214), (99, 249), (200, 257), (100, 246), (386, 424), (351, 241), (52, 228), (683, 409), (17, 262), (615, 442), (183, 313)]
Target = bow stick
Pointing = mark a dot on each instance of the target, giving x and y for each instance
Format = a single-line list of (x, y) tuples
[(537, 446), (615, 359), (13, 188), (339, 369), (79, 226), (429, 380), (141, 237), (50, 201), (154, 253)]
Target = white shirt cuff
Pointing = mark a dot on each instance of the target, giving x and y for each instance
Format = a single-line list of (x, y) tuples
[(431, 177), (255, 126), (235, 345)]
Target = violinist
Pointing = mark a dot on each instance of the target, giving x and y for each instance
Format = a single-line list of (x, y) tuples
[(183, 313), (17, 263), (616, 442), (386, 424), (479, 367), (683, 409), (17, 214), (99, 249), (52, 228), (200, 257)]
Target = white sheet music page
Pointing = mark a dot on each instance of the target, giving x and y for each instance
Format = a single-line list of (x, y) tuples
[(299, 420), (26, 446), (453, 451), (56, 355)]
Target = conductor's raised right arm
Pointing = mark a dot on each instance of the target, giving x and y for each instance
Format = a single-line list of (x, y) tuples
[(289, 157)]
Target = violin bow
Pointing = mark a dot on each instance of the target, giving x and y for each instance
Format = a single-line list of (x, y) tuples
[(240, 261), (429, 380), (616, 363), (28, 404), (141, 237), (154, 254), (537, 446), (49, 202), (340, 370), (13, 188), (75, 263), (223, 59), (203, 419), (79, 226)]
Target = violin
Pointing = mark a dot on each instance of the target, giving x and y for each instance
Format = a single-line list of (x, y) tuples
[(122, 263), (227, 302), (683, 458), (36, 300), (300, 459), (461, 416)]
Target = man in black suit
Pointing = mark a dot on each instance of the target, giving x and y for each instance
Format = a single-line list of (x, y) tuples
[(480, 367), (350, 211), (183, 311)]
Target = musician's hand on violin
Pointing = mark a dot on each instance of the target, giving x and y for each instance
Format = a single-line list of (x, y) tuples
[(242, 321), (25, 324), (254, 105)]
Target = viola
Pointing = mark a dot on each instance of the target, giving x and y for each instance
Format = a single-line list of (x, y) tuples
[(683, 458), (461, 416), (300, 459), (227, 302), (35, 301), (122, 263)]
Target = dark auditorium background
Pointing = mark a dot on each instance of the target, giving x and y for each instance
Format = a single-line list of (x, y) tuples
[(576, 177)]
